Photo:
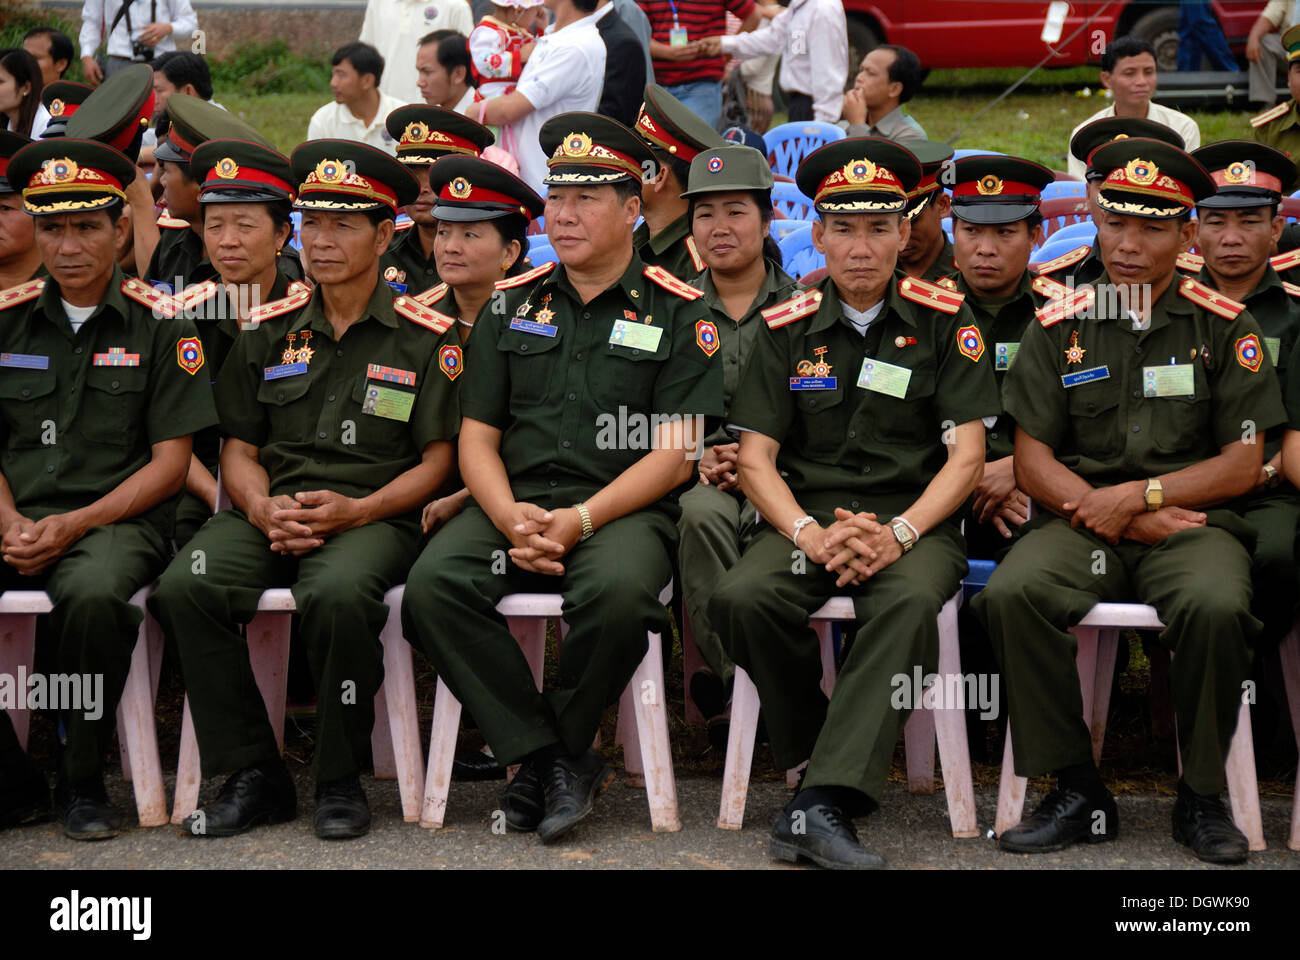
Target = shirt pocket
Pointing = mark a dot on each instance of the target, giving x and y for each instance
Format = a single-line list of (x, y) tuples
[(1180, 424), (1094, 419), (906, 420), (291, 416), (823, 418), (114, 405), (376, 434), (531, 361), (26, 403), (625, 376)]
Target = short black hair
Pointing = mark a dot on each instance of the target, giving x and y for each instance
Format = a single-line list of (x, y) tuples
[(60, 45), (906, 69), (1117, 50), (437, 36), (363, 57), (453, 52), (626, 187), (513, 227), (181, 67), (1033, 220), (679, 167), (183, 168), (377, 215)]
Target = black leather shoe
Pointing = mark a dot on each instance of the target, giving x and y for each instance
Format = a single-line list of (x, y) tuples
[(341, 810), (1064, 817), (570, 788), (86, 812), (1203, 824), (524, 800), (825, 836), (24, 793), (252, 796), (476, 765)]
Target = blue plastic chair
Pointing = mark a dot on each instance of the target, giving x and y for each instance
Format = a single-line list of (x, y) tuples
[(787, 198), (799, 255), (789, 143), (540, 250), (1065, 188), (1076, 232), (1054, 248), (780, 229), (295, 240), (947, 227)]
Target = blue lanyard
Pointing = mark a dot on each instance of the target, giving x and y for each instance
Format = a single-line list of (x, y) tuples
[(673, 7)]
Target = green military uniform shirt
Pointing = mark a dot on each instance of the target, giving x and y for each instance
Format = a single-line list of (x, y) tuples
[(1076, 267), (1137, 404), (844, 445), (575, 408), (673, 248), (312, 428), (81, 411), (1280, 128), (943, 265), (404, 267)]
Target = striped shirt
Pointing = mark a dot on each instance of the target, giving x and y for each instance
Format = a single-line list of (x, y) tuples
[(700, 18)]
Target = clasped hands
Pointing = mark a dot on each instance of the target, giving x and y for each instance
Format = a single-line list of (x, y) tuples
[(1119, 512), (299, 524), (855, 546), (541, 537)]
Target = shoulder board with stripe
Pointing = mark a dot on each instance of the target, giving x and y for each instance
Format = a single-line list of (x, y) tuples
[(277, 307), (416, 312), (1049, 288), (802, 304), (1285, 261), (165, 219), (298, 286), (195, 294), (523, 278), (1052, 313), (1064, 260), (432, 295), (399, 227), (672, 284), (162, 304), (696, 260), (1291, 288), (948, 283), (1191, 262), (21, 293), (1268, 116), (1210, 299), (930, 294)]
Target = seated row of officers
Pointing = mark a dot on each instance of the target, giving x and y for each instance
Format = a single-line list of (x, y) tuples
[(370, 434)]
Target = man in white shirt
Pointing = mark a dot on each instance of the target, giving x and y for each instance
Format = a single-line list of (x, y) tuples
[(360, 107), (1128, 70), (564, 74), (1264, 49), (443, 71), (390, 26), (813, 36), (154, 23)]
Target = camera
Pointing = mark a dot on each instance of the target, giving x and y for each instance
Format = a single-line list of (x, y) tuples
[(141, 52)]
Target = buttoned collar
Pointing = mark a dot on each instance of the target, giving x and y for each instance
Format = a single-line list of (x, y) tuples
[(380, 307), (50, 302), (632, 282), (1023, 289), (773, 280), (669, 235), (1169, 302), (829, 313)]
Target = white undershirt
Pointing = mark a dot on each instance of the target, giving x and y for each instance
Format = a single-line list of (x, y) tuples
[(76, 315), (1138, 323), (862, 319)]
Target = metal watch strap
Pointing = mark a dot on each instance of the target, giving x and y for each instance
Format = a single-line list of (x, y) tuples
[(585, 516)]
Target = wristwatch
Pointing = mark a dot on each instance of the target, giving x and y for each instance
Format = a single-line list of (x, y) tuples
[(1271, 476), (1155, 495), (585, 517), (903, 533)]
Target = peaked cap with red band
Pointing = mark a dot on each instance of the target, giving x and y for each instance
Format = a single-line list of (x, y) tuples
[(470, 189), (859, 175), (424, 134), (238, 171), (1149, 178), (994, 189), (343, 176)]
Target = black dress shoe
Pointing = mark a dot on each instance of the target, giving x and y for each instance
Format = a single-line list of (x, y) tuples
[(341, 809), (476, 765), (570, 788), (1064, 817), (524, 800), (252, 796), (825, 836), (1203, 824), (24, 793), (86, 812)]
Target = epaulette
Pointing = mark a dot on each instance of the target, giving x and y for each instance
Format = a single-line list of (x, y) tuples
[(948, 283), (930, 295), (523, 278), (297, 286), (672, 284), (276, 307), (1291, 288), (399, 227), (162, 304), (1191, 262), (417, 312), (195, 294), (696, 260), (21, 293), (1210, 299), (1053, 312), (165, 219), (1064, 260), (432, 295), (1049, 288), (802, 304), (1285, 261), (1268, 116)]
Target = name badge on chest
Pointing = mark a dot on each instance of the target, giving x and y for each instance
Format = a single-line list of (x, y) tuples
[(534, 327), (1085, 376), (283, 370), (24, 361), (636, 336), (1173, 380), (881, 377)]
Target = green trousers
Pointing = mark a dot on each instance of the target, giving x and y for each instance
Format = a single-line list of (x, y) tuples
[(1276, 519), (191, 514), (610, 587), (93, 626), (714, 528), (761, 609), (1199, 583), (212, 587)]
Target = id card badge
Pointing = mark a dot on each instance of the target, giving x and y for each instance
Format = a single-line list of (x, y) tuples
[(1004, 355), (677, 36), (1172, 380), (1274, 346), (387, 402), (636, 336), (881, 377)]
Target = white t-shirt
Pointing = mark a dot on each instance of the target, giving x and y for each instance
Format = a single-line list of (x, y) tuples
[(394, 28), (335, 121), (564, 73), (76, 315)]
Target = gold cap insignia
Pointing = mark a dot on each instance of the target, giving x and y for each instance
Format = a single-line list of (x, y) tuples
[(226, 168), (1141, 172)]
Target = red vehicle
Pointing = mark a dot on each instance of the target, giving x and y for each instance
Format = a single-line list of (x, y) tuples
[(997, 33)]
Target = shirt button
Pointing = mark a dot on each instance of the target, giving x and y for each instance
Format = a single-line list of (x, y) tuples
[(1138, 351), (573, 396), (867, 468), (812, 403), (1137, 394), (586, 315), (330, 398), (853, 434), (338, 352), (27, 393), (854, 504), (115, 384), (636, 353), (994, 435), (76, 350), (731, 359), (523, 348), (555, 483), (566, 444), (577, 356), (50, 468), (321, 434), (1137, 429), (280, 395)]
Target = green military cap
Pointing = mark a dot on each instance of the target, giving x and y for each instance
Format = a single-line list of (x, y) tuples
[(118, 111), (1247, 174), (859, 175), (1291, 40), (64, 175), (61, 99), (590, 148), (989, 188), (346, 175), (425, 134), (238, 171), (191, 121), (1149, 178), (933, 155), (1103, 131), (470, 189), (667, 123), (10, 143), (731, 167)]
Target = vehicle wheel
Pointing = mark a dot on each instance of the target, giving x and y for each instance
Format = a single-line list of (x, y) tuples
[(1160, 29), (862, 38)]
